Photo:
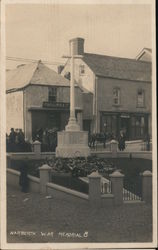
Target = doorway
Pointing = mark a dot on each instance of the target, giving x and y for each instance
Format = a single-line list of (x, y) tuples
[(53, 120), (124, 126), (87, 125)]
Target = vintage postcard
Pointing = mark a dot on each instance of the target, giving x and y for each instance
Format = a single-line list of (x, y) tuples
[(78, 124)]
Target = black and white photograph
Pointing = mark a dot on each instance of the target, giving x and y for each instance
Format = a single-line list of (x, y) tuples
[(78, 124)]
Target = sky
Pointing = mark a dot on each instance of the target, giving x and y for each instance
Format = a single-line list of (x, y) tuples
[(43, 31)]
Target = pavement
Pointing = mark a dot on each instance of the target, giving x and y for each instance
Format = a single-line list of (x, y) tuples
[(131, 146), (35, 218)]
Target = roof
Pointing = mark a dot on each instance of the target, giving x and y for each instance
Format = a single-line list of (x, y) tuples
[(35, 73), (150, 50), (142, 52), (120, 68)]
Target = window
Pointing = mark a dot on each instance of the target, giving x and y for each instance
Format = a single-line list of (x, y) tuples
[(67, 75), (116, 96), (52, 94), (140, 98), (138, 126), (108, 124), (82, 69)]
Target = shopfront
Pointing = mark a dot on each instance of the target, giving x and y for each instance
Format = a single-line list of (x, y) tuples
[(52, 116), (134, 125)]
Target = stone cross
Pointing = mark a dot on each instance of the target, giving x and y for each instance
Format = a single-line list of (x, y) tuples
[(72, 124)]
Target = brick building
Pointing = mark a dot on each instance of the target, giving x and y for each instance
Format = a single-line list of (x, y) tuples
[(121, 90)]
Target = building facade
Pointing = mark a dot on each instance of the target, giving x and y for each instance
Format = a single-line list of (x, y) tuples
[(121, 92), (39, 98), (111, 94)]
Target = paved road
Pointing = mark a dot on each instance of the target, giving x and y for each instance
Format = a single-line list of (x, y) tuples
[(35, 218)]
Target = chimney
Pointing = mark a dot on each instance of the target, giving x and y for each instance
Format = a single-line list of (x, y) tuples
[(60, 68), (78, 45)]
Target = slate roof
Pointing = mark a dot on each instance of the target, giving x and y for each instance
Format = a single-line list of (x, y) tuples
[(142, 52), (150, 50), (120, 68), (34, 73)]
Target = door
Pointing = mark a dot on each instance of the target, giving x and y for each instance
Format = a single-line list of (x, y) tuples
[(87, 125), (124, 126), (53, 120)]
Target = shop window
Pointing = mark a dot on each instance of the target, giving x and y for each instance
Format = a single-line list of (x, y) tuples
[(109, 124), (52, 94), (82, 69), (116, 96), (138, 127), (140, 98)]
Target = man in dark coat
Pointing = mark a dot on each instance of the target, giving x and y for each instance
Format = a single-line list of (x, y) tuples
[(21, 141), (23, 180), (12, 137), (104, 139), (121, 141)]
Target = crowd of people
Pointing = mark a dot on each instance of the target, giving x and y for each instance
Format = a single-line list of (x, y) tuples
[(104, 137), (15, 141), (48, 139), (94, 138)]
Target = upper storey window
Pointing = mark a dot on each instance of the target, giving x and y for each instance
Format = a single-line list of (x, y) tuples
[(52, 94), (140, 98), (82, 69), (116, 96), (67, 75)]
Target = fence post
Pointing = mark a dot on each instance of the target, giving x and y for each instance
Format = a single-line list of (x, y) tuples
[(117, 187), (114, 145), (147, 186), (44, 177), (95, 189), (8, 161), (37, 147), (150, 147)]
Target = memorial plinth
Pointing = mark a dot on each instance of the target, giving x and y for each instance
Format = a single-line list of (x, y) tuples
[(72, 144)]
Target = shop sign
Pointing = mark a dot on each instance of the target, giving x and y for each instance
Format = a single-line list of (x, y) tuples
[(57, 105), (125, 116)]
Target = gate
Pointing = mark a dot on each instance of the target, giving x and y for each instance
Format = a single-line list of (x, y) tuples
[(132, 189)]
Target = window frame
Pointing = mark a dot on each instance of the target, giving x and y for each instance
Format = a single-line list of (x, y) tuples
[(116, 98), (52, 95), (142, 104), (80, 69)]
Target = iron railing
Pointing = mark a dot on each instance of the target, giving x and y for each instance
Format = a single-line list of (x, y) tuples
[(132, 191)]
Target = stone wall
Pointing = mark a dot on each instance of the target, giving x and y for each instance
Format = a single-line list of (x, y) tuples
[(14, 109), (13, 180), (95, 198)]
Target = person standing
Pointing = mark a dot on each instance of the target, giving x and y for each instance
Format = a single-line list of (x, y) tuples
[(121, 141), (45, 141), (104, 139), (12, 137), (21, 140), (23, 180)]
